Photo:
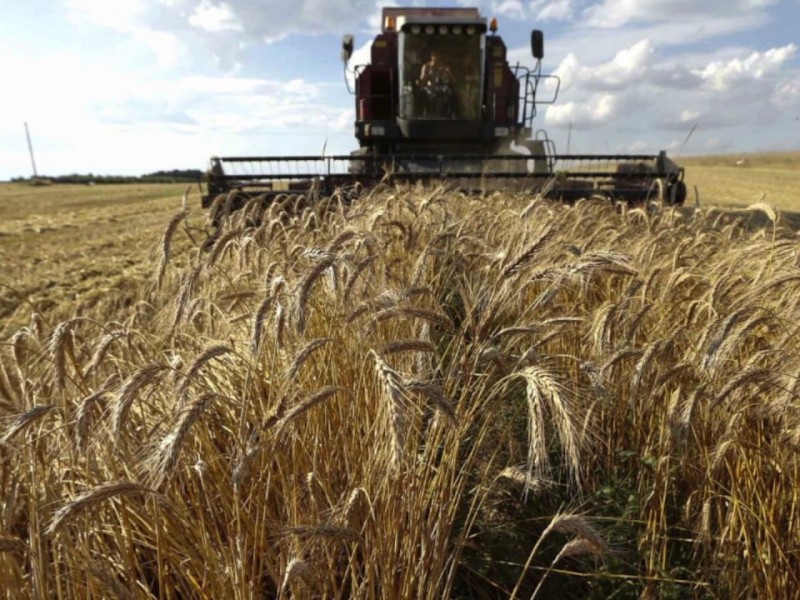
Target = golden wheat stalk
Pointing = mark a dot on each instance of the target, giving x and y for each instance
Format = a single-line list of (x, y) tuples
[(397, 402), (546, 394), (434, 393), (356, 509), (257, 330), (19, 350), (341, 239), (91, 498), (166, 244), (87, 407), (324, 530), (202, 359), (304, 294), (525, 479), (528, 253), (570, 524), (102, 349), (407, 346), (297, 570), (147, 375), (431, 316), (25, 420), (304, 355), (313, 400), (166, 455), (61, 343)]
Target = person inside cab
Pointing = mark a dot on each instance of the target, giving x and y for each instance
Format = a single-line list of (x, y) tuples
[(435, 72), (437, 82)]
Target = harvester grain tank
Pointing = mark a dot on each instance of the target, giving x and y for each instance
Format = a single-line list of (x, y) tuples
[(440, 99)]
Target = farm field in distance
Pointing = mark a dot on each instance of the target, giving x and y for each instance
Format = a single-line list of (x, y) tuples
[(66, 242), (741, 180), (74, 244), (418, 395)]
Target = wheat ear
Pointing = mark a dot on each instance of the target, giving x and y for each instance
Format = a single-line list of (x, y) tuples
[(91, 498)]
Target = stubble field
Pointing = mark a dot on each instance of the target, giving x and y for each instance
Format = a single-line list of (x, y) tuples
[(419, 395)]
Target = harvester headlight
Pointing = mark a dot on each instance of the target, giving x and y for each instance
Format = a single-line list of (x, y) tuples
[(376, 130), (416, 29), (443, 29), (430, 29), (501, 131), (457, 29), (471, 30)]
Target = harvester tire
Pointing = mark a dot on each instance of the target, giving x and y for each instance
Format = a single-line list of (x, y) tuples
[(677, 193)]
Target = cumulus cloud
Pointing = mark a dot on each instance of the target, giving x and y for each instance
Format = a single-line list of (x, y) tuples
[(618, 13), (540, 10), (787, 94), (595, 110), (128, 17), (627, 66), (228, 104), (226, 28), (638, 89), (261, 21), (722, 76), (509, 8), (552, 10), (214, 18)]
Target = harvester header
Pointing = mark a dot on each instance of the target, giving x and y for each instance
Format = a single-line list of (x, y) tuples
[(439, 99)]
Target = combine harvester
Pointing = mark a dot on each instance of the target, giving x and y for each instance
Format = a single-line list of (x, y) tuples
[(439, 100)]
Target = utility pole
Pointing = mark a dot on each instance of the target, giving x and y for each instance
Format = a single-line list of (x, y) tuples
[(30, 150)]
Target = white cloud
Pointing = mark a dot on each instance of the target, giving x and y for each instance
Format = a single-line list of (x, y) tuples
[(721, 76), (175, 29), (627, 66), (552, 10), (513, 9), (689, 116), (127, 17), (617, 13), (787, 94), (593, 111), (640, 92), (107, 119), (214, 18), (258, 22), (538, 10)]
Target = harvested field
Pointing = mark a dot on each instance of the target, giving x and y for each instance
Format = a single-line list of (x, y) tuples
[(742, 180), (417, 395), (64, 248)]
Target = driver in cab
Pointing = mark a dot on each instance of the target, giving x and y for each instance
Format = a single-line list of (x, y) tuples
[(437, 81), (435, 72)]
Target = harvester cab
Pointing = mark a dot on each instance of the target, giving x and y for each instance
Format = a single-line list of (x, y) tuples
[(439, 83), (440, 99)]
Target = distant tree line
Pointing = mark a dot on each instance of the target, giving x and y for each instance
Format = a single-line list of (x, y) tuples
[(173, 176)]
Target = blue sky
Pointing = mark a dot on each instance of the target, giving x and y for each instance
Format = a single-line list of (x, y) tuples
[(131, 86)]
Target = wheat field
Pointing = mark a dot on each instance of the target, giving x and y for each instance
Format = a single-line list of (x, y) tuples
[(416, 394)]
